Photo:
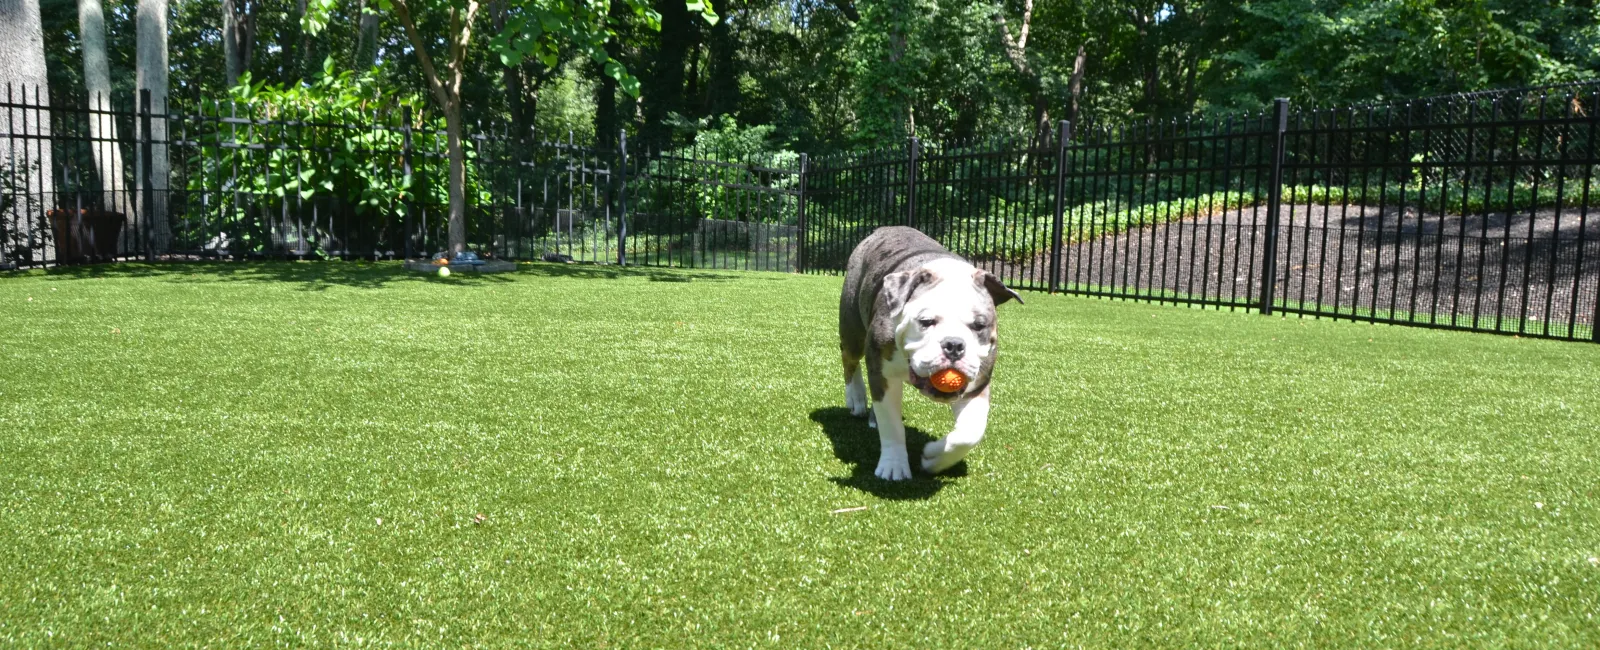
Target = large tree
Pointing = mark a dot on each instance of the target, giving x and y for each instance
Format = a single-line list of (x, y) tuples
[(151, 73), (664, 85), (890, 65), (238, 36), (25, 174), (366, 53), (1016, 49), (97, 82)]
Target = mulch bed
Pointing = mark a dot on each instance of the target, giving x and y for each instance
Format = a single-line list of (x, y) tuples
[(1490, 271)]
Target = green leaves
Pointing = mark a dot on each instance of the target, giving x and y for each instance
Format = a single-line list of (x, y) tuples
[(643, 11), (542, 29), (520, 38), (358, 166), (704, 9), (627, 82), (316, 16)]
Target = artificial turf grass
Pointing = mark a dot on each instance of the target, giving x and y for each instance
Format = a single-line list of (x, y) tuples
[(195, 454)]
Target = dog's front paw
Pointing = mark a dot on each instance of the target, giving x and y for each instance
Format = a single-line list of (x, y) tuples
[(931, 453), (938, 456), (893, 467)]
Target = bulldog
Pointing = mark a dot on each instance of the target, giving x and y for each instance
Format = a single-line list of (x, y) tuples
[(910, 308)]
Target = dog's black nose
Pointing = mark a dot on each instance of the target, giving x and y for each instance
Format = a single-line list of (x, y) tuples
[(954, 348)]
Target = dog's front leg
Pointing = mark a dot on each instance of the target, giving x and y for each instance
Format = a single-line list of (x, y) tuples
[(972, 418), (893, 461)]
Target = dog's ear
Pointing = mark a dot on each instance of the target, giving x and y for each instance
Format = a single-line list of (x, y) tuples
[(997, 289), (898, 288), (893, 295)]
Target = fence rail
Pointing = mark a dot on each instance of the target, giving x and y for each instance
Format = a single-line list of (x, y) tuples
[(1467, 211), (1463, 212), (242, 181)]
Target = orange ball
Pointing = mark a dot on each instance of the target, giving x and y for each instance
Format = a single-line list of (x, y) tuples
[(948, 380)]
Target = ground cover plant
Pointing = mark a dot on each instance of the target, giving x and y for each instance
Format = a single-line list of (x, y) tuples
[(340, 453)]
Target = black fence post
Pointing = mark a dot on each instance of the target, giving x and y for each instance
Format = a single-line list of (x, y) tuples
[(1269, 255), (911, 182), (5, 201), (1583, 219), (146, 160), (1057, 224), (622, 199), (800, 216), (405, 168)]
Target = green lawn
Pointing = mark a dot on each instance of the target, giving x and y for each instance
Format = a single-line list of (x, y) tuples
[(300, 454)]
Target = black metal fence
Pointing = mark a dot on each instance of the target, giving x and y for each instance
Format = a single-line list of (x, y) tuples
[(204, 179), (1465, 211)]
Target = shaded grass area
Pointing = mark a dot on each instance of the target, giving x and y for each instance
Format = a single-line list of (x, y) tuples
[(583, 456)]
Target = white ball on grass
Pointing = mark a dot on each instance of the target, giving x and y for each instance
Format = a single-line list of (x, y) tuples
[(444, 271)]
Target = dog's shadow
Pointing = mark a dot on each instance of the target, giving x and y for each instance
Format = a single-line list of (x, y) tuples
[(857, 444)]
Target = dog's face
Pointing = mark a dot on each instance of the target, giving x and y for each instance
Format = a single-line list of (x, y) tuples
[(947, 320)]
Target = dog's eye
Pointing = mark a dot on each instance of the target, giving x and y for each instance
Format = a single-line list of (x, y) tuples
[(979, 325), (927, 322)]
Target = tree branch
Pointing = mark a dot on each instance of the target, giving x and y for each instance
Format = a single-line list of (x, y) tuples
[(428, 71), (848, 8), (1075, 85), (1016, 50), (1027, 22), (1017, 53), (458, 59), (453, 49)]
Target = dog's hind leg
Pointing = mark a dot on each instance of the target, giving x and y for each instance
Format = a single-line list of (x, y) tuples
[(855, 388), (852, 347)]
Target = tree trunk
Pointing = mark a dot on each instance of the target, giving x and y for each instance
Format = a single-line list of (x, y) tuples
[(292, 42), (846, 7), (1148, 56), (102, 126), (516, 93), (152, 76), (26, 172), (605, 108), (230, 45), (1041, 110), (308, 61), (1190, 94), (514, 100), (663, 89), (1075, 85), (447, 91), (533, 91), (367, 47), (458, 177), (525, 83), (238, 37), (692, 97), (723, 89), (1016, 50), (605, 94)]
